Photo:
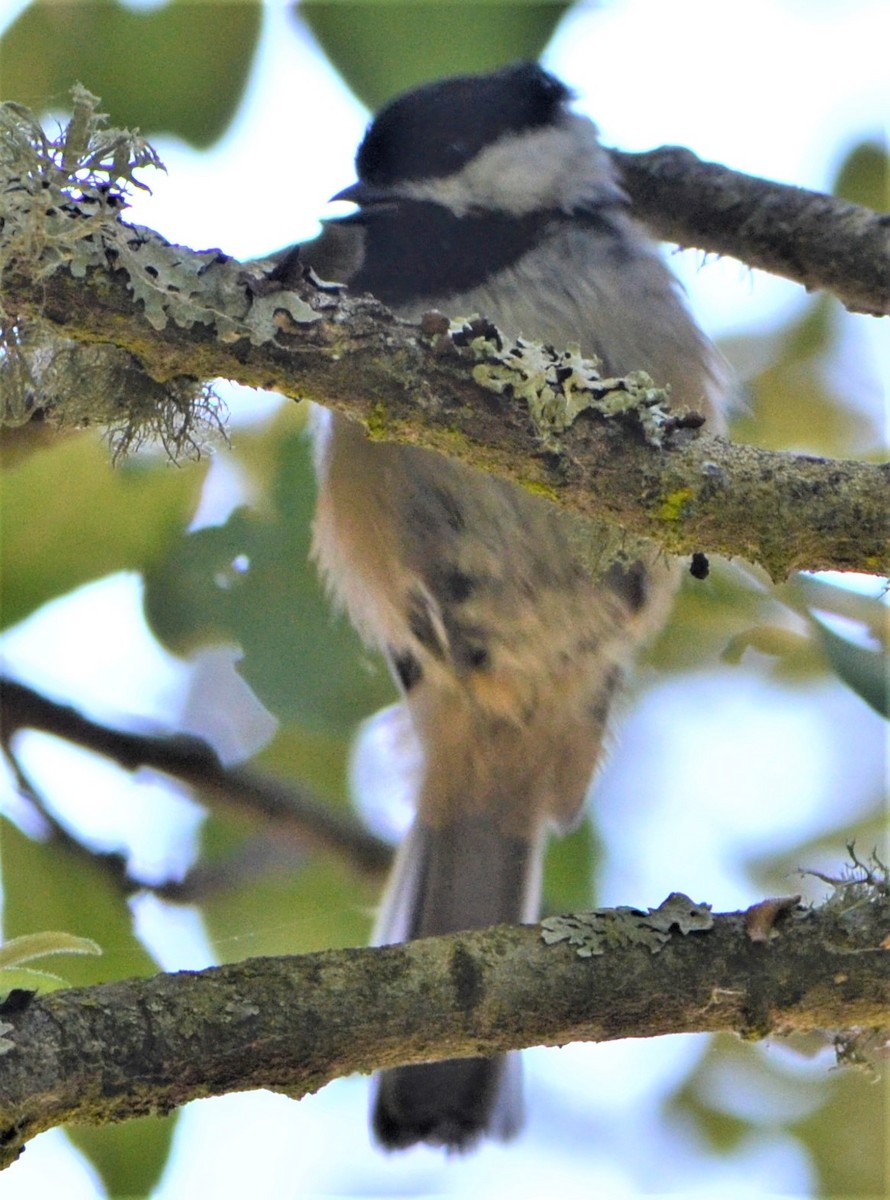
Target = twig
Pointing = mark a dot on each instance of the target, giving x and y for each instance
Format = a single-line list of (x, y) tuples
[(193, 762)]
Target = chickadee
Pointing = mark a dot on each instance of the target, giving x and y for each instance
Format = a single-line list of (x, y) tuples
[(488, 195)]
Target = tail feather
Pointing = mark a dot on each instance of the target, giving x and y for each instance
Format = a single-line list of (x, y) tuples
[(451, 1103), (465, 875)]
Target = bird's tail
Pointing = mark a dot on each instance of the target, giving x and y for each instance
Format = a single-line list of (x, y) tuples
[(464, 875)]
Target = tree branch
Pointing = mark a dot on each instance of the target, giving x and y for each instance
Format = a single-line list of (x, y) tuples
[(814, 240), (68, 263), (193, 762), (787, 512), (120, 1050)]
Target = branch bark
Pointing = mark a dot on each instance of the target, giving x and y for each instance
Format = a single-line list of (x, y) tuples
[(818, 241), (123, 1049), (67, 262), (787, 512)]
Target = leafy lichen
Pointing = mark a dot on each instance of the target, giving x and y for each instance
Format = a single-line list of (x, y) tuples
[(603, 929), (62, 199), (557, 386)]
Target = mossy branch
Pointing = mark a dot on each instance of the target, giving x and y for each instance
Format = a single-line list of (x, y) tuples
[(181, 317), (693, 493), (120, 1050), (818, 241)]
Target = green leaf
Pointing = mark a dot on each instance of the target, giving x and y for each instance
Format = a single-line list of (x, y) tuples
[(178, 68), (250, 582), (129, 1157), (861, 668), (29, 979), (70, 517), (382, 49), (38, 945), (45, 887), (805, 592)]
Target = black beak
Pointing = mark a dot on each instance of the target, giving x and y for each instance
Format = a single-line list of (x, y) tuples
[(364, 194)]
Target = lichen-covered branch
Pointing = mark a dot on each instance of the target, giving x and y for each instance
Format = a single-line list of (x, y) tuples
[(121, 1050), (693, 493), (818, 241), (70, 266)]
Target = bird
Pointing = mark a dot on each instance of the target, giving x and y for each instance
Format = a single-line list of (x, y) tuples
[(488, 194)]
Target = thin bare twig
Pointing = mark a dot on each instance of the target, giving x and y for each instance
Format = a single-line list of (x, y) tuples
[(192, 762)]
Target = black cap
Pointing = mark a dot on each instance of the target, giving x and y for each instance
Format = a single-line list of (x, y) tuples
[(436, 129)]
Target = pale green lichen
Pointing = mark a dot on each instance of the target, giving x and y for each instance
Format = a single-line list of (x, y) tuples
[(557, 386), (58, 193), (603, 929), (62, 200)]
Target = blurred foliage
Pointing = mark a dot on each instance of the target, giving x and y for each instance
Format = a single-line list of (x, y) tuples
[(801, 401), (286, 901), (246, 581), (736, 609), (846, 1137), (317, 906), (861, 668), (158, 70), (130, 1158), (70, 518), (737, 1088), (47, 886), (864, 176), (383, 49), (570, 870), (316, 758), (791, 403)]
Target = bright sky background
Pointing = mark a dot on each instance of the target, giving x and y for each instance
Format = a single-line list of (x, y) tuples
[(778, 88)]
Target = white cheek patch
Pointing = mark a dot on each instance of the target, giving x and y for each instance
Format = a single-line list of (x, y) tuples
[(556, 167)]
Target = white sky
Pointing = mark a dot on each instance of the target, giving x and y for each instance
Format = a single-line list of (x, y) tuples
[(778, 88)]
